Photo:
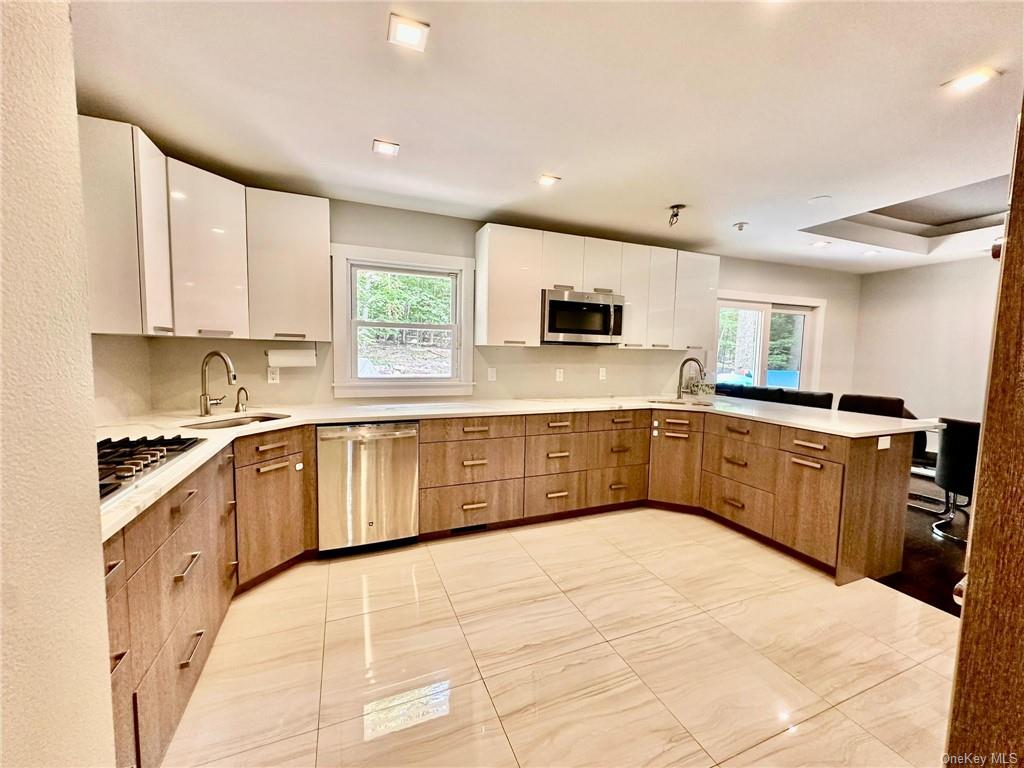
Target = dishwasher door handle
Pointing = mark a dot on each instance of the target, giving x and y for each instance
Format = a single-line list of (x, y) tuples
[(356, 437)]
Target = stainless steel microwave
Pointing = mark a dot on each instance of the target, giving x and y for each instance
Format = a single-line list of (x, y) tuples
[(574, 317)]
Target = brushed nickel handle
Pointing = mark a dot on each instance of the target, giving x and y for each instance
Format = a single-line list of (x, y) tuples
[(163, 329), (684, 435), (188, 497), (229, 456), (474, 505), (233, 564), (513, 341), (632, 345), (476, 429), (659, 346), (557, 494), (474, 462), (684, 422), (737, 430), (193, 559), (558, 454), (272, 467), (271, 446), (117, 658), (112, 567), (195, 648), (603, 290), (560, 287), (807, 444), (622, 421), (805, 463), (214, 332), (555, 424), (737, 462), (289, 335), (617, 486), (620, 449), (734, 503)]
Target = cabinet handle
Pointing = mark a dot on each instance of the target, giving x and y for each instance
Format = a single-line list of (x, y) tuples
[(193, 559), (806, 463), (474, 505), (233, 565), (736, 462), (622, 421), (685, 422), (632, 345), (620, 449), (188, 497), (163, 329), (806, 444), (557, 494), (272, 467), (271, 446), (558, 454), (474, 462), (560, 287), (195, 648), (556, 424), (734, 503), (659, 346), (684, 435), (476, 429), (214, 332), (289, 335), (117, 658), (737, 430), (603, 290), (513, 341), (617, 486), (112, 568)]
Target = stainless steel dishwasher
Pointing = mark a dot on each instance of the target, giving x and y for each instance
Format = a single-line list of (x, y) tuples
[(367, 483)]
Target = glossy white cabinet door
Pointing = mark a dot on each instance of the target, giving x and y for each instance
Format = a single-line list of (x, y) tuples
[(602, 265), (211, 285), (636, 282), (696, 301), (289, 244), (661, 300), (562, 262), (111, 233), (154, 240), (508, 286)]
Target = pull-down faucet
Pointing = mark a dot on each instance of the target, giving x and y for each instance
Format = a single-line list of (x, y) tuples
[(682, 369), (205, 401)]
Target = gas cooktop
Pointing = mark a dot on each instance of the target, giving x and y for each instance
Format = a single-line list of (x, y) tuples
[(122, 461)]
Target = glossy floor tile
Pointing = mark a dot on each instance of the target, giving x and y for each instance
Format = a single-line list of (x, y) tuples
[(636, 637)]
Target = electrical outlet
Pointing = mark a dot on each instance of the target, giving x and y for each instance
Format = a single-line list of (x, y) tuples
[(559, 374), (492, 374), (602, 373), (273, 375)]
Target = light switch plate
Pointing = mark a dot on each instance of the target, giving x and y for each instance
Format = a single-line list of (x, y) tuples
[(602, 373), (492, 374), (559, 374), (884, 442), (273, 375)]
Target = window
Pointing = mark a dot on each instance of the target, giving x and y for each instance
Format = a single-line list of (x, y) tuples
[(402, 323), (762, 344)]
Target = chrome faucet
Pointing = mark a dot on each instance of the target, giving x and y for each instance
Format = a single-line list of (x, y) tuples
[(205, 401), (239, 405), (682, 369)]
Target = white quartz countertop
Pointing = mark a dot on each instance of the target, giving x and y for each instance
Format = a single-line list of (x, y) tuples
[(123, 507)]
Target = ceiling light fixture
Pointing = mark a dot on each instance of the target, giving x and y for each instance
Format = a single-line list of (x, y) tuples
[(673, 217), (971, 80), (382, 147), (407, 33), (820, 244), (547, 180)]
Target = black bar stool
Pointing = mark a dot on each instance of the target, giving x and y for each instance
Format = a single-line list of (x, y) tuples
[(954, 472), (876, 405)]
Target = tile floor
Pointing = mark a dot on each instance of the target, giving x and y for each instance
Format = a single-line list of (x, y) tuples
[(641, 637)]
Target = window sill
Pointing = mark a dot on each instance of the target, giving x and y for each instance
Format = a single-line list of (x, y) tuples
[(398, 389)]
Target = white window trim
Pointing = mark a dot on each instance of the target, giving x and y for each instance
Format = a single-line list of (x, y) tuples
[(343, 257)]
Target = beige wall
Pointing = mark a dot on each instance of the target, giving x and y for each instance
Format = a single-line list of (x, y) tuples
[(122, 376), (56, 707)]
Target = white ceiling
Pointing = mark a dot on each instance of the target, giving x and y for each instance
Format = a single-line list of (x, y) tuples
[(743, 111)]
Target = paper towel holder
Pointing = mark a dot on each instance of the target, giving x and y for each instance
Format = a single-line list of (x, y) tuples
[(291, 358)]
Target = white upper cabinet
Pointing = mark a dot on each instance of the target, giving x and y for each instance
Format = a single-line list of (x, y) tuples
[(661, 301), (208, 253), (562, 263), (636, 282), (696, 301), (602, 265), (508, 286), (125, 193), (289, 245)]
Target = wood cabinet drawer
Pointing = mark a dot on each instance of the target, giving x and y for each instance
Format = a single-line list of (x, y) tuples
[(475, 461), (549, 454), (477, 428), (675, 466), (746, 506), (118, 632), (602, 420), (742, 429), (457, 506), (268, 445), (551, 423), (115, 571), (612, 486), (121, 689), (745, 462), (547, 494), (618, 448), (270, 514), (807, 503), (817, 444), (679, 421)]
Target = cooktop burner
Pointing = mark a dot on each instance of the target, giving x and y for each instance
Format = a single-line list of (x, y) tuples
[(122, 461)]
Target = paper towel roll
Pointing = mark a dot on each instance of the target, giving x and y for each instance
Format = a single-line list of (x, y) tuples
[(291, 358)]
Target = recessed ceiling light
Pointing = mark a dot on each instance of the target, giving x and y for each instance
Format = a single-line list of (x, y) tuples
[(547, 180), (870, 253), (178, 195), (820, 244), (388, 148), (407, 33), (820, 199), (971, 80)]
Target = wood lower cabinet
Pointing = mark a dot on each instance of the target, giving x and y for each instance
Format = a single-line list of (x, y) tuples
[(808, 499), (121, 679), (750, 507), (479, 428), (549, 494), (603, 420), (115, 573), (458, 506), (618, 448), (270, 514), (748, 431), (471, 461), (675, 472), (616, 485), (554, 423), (747, 463), (551, 454)]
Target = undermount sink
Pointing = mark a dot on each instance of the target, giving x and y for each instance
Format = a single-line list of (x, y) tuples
[(236, 421), (678, 401)]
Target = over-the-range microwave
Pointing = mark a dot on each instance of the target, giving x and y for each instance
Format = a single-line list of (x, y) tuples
[(575, 317)]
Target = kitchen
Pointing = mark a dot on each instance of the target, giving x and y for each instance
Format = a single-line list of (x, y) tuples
[(439, 469)]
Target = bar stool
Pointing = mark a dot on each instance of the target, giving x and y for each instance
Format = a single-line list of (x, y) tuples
[(876, 405), (954, 472)]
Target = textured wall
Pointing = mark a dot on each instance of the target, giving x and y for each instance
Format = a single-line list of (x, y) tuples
[(56, 683)]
